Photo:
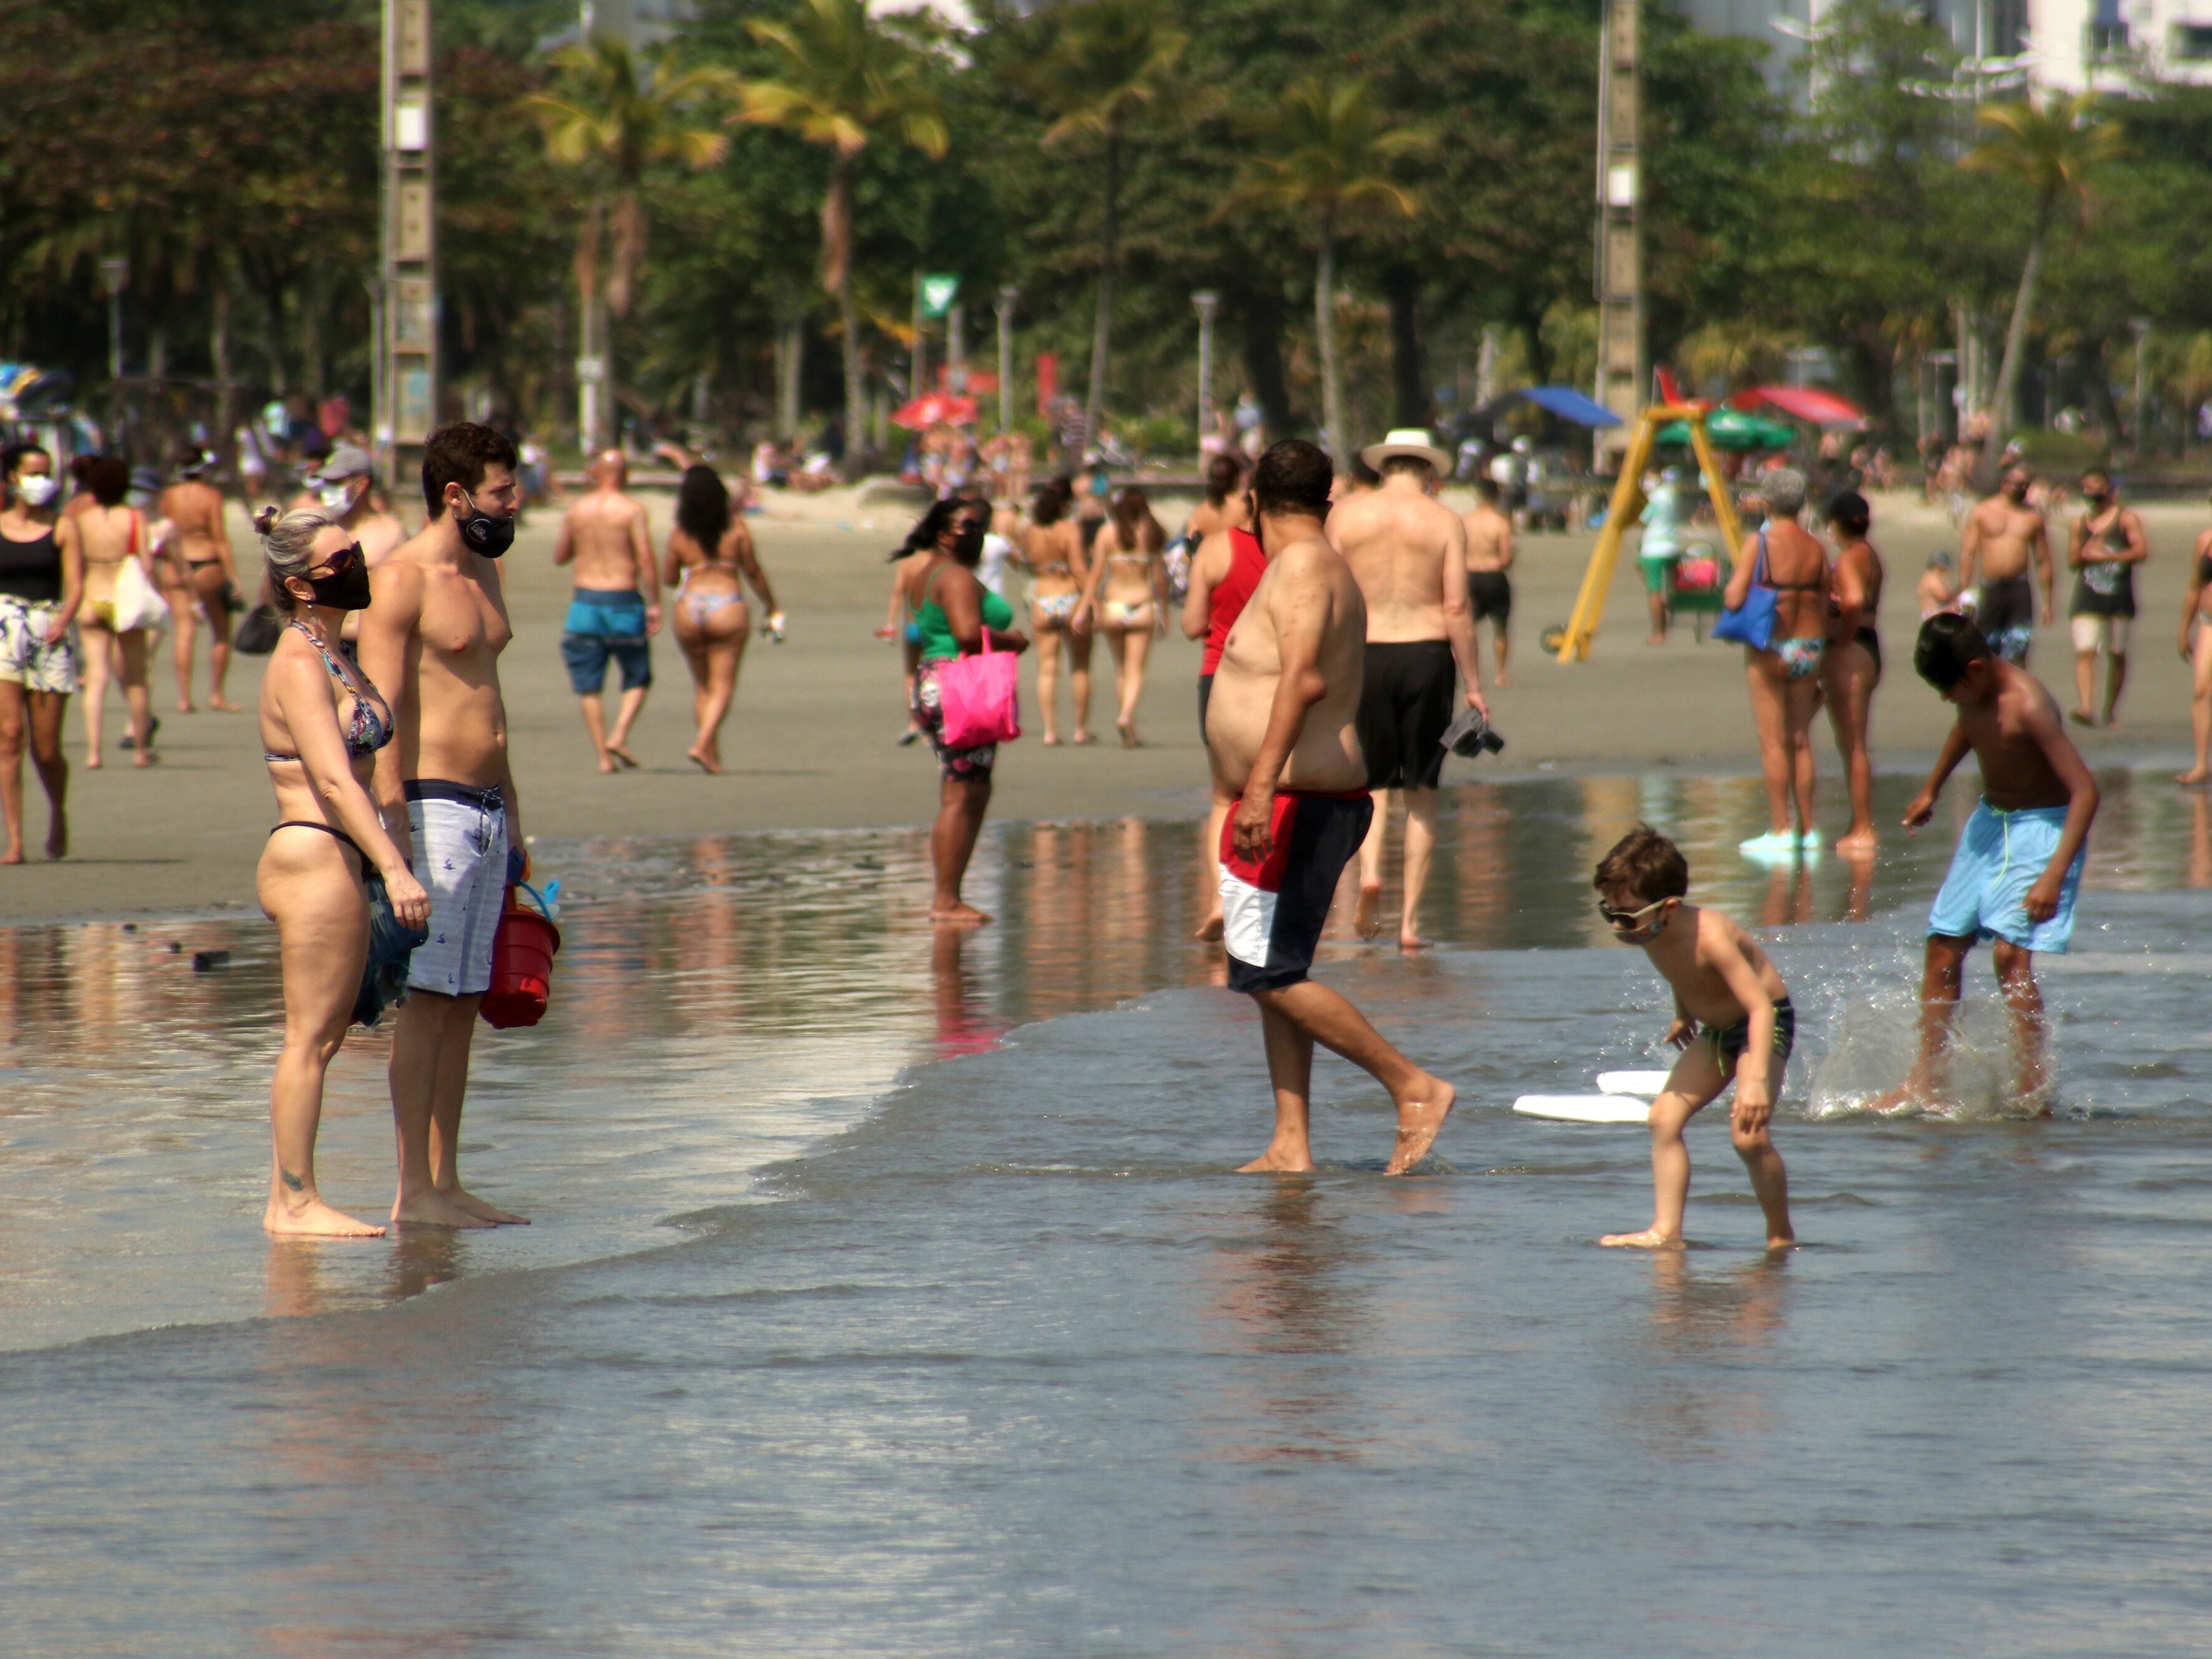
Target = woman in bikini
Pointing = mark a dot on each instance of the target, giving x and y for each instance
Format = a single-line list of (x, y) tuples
[(1852, 668), (1785, 678), (2196, 652), (1052, 550), (111, 533), (1128, 595), (322, 723), (710, 559)]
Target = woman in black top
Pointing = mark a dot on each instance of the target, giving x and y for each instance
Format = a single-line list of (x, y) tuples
[(41, 584)]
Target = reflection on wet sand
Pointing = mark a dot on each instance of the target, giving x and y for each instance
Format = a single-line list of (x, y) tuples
[(1699, 1313)]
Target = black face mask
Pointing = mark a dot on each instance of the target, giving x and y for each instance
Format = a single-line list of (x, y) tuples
[(969, 547), (346, 587), (483, 533)]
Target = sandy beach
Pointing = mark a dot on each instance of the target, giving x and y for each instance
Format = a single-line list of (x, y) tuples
[(810, 742)]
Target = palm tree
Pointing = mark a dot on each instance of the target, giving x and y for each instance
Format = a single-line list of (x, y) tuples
[(2055, 150), (1325, 153), (844, 79), (608, 119), (1111, 57)]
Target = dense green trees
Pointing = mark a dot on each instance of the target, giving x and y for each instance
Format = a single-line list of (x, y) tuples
[(1091, 153)]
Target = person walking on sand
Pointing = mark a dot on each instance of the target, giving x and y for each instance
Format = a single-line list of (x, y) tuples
[(1784, 677), (710, 559), (2108, 543), (1223, 503), (1489, 573), (954, 613), (1224, 571), (2018, 866), (614, 609), (2000, 538), (1660, 549), (1282, 732), (1128, 596), (1850, 668), (195, 507), (1733, 1021), (1408, 553), (330, 865), (41, 586), (1053, 551), (2196, 652), (111, 535), (437, 623)]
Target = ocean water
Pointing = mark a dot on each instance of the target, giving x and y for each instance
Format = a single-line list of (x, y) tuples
[(895, 1295)]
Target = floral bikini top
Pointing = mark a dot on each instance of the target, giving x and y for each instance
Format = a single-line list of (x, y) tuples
[(371, 726)]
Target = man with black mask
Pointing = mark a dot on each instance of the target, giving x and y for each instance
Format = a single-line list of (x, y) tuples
[(435, 626)]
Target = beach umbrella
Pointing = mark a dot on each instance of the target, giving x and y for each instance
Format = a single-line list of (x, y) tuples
[(1732, 428), (937, 408), (1808, 404)]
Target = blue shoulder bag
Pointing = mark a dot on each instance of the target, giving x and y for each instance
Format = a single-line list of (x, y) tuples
[(1751, 623)]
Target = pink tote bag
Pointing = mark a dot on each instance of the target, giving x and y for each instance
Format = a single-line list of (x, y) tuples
[(981, 697)]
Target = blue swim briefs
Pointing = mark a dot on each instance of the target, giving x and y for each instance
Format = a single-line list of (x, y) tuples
[(2000, 857)]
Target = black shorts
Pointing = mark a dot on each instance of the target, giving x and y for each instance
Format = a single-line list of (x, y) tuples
[(1405, 704), (2006, 616), (1493, 595), (1205, 698), (1273, 912), (1730, 1041)]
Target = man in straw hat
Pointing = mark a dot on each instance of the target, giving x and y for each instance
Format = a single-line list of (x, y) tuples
[(1408, 552)]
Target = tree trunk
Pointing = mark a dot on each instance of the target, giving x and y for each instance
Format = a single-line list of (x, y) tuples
[(2004, 406), (219, 357), (594, 393), (2103, 409), (1262, 314), (837, 237), (1409, 373), (1332, 371), (1108, 249)]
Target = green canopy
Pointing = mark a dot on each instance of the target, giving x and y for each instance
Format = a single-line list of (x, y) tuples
[(1732, 428)]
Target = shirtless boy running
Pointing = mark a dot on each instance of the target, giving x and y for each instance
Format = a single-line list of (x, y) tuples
[(616, 607), (1489, 567), (2018, 867), (1281, 732), (437, 622), (2000, 537), (1733, 1021)]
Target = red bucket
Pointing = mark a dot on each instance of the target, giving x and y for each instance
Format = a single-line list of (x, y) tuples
[(521, 967)]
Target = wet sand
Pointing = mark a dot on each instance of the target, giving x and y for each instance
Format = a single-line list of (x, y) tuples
[(810, 742)]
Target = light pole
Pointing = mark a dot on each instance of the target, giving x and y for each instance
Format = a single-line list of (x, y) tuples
[(1207, 302), (2139, 328), (1007, 296), (115, 271)]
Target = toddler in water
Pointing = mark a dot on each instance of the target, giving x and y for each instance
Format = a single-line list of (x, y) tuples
[(1732, 1019)]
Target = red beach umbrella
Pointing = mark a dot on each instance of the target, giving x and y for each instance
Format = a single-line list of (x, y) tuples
[(936, 408)]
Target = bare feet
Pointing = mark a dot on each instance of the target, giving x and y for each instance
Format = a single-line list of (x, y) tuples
[(1503, 684), (1278, 1161), (14, 854), (1650, 1239), (1781, 1242), (1367, 915), (702, 762), (1654, 639), (1129, 730), (1421, 1114), (432, 1209), (2195, 777), (187, 708), (57, 835), (313, 1218), (1858, 842), (2081, 717), (1084, 737), (607, 764), (623, 753), (461, 1198), (1210, 929), (92, 763), (1410, 940), (957, 915), (223, 706), (1052, 739)]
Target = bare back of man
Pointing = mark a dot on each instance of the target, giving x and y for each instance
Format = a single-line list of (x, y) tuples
[(1489, 579), (616, 607), (1282, 735), (203, 544), (1408, 553)]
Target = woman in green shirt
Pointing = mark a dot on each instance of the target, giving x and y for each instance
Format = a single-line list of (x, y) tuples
[(952, 612)]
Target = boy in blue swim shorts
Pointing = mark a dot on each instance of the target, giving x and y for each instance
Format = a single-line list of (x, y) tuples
[(2018, 867)]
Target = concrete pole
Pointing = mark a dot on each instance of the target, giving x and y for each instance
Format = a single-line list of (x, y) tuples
[(1007, 297), (1620, 366), (1208, 302), (409, 344)]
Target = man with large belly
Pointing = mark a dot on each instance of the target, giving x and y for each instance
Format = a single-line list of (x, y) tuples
[(1280, 732)]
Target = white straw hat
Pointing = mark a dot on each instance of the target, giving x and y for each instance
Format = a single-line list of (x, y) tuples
[(1410, 440)]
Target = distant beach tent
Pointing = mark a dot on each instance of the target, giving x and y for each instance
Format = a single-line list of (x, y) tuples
[(1570, 404), (937, 408), (1807, 404)]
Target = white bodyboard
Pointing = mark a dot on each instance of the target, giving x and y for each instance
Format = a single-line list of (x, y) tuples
[(1585, 1109), (1646, 1083)]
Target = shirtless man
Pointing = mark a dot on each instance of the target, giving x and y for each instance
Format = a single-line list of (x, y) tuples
[(1408, 551), (201, 543), (2108, 543), (1281, 734), (436, 625), (2018, 866), (2001, 536), (1489, 557), (1228, 566), (616, 606)]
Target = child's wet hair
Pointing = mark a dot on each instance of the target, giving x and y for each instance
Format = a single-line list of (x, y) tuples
[(1948, 644), (1646, 864)]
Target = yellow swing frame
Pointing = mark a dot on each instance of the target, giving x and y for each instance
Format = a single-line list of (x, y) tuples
[(1628, 501)]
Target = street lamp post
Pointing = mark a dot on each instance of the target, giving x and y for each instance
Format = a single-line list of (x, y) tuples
[(1007, 296), (1207, 302), (115, 272)]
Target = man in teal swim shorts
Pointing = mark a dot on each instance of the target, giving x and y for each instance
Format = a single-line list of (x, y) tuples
[(2018, 867)]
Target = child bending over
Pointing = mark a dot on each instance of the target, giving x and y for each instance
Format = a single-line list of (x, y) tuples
[(1732, 1020)]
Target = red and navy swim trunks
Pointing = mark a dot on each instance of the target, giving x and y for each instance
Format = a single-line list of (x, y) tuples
[(1272, 912)]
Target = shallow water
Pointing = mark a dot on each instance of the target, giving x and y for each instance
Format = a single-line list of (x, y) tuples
[(893, 1295)]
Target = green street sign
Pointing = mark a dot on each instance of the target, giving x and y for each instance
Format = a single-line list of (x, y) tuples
[(937, 293)]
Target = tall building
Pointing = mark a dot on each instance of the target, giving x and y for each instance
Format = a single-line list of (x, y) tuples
[(2108, 44)]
